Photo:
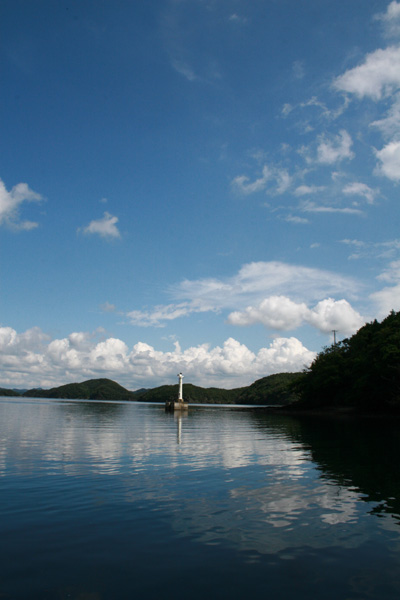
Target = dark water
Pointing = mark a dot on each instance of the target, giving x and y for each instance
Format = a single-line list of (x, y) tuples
[(117, 500)]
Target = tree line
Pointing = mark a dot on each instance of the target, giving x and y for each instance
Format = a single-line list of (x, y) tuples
[(362, 372)]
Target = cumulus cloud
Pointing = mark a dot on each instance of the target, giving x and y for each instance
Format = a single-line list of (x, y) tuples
[(281, 313), (389, 158), (249, 287), (377, 77), (44, 362), (361, 189), (105, 227), (10, 206), (332, 314), (335, 148), (275, 312)]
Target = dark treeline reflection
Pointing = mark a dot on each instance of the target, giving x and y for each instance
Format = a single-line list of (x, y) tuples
[(363, 454)]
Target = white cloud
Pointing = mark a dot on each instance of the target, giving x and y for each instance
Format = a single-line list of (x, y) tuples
[(390, 124), (392, 273), (243, 185), (10, 205), (235, 18), (281, 313), (391, 19), (31, 340), (279, 176), (257, 280), (108, 307), (298, 69), (387, 250), (389, 158), (162, 313), (275, 312), (377, 77), (332, 314), (183, 68), (314, 102), (249, 287), (360, 189), (283, 181), (287, 109), (304, 190), (105, 227), (45, 363), (297, 220), (309, 206), (386, 300), (334, 149)]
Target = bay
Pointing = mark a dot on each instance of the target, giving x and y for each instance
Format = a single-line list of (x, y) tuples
[(104, 500)]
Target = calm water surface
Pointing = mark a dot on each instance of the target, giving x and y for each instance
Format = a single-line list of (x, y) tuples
[(121, 500)]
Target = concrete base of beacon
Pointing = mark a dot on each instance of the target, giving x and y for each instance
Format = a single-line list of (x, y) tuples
[(174, 405)]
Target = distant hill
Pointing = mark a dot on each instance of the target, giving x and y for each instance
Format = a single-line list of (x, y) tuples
[(5, 392), (191, 393), (273, 390), (93, 389)]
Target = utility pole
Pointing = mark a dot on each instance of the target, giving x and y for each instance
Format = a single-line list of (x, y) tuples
[(334, 336)]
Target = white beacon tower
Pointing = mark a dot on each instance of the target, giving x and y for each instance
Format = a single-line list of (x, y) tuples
[(179, 404), (180, 396)]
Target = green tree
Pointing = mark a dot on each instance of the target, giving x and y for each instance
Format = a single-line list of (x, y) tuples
[(362, 371)]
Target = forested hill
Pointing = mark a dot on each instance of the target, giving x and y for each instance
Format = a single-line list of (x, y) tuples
[(272, 390), (5, 392), (191, 393), (361, 372), (93, 389)]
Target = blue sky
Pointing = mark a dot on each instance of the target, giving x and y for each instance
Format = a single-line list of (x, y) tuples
[(197, 185)]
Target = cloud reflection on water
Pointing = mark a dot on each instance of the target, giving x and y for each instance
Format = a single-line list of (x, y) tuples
[(220, 477)]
